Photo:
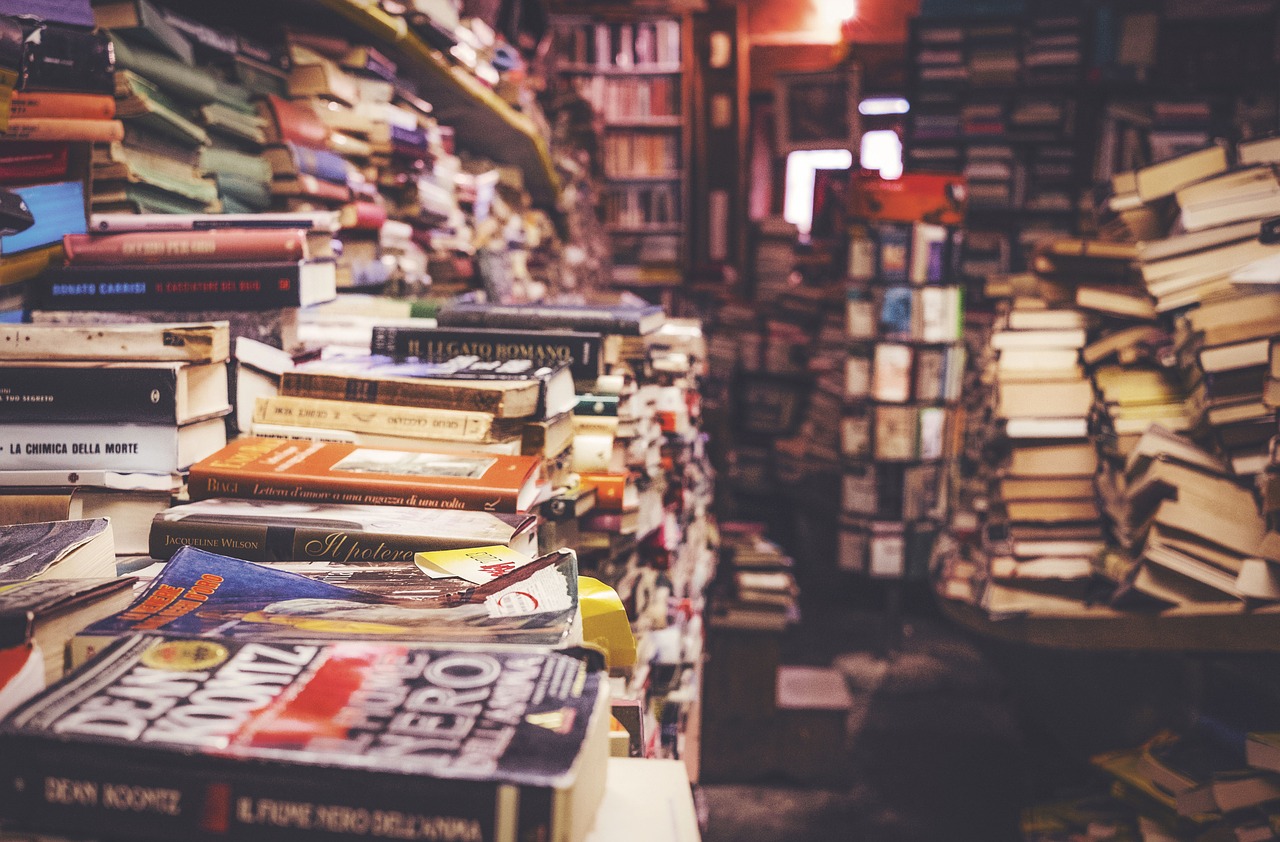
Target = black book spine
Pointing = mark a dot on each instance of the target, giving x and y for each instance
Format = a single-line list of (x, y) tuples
[(524, 318), (581, 351), (149, 795), (263, 542), (134, 395), (66, 59), (249, 286)]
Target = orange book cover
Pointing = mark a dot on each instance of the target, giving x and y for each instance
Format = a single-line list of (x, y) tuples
[(915, 197), (45, 104), (316, 472), (611, 491), (63, 128)]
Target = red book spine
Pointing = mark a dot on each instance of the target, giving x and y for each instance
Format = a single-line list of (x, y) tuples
[(28, 163), (297, 123), (364, 216), (217, 246)]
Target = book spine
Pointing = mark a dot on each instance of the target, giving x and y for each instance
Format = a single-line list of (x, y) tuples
[(216, 246), (269, 543), (63, 128), (206, 481), (65, 789), (166, 288), (377, 419), (33, 105), (337, 387), (602, 321), (25, 163), (582, 352), (321, 163), (44, 393), (89, 447)]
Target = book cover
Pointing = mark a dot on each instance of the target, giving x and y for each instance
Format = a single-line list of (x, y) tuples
[(68, 59), (191, 286), (329, 747), (894, 249), (583, 351), (511, 389), (270, 531), (74, 446), (620, 319), (205, 594), (333, 472), (108, 392)]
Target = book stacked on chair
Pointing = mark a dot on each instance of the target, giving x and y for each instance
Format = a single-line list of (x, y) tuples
[(103, 420)]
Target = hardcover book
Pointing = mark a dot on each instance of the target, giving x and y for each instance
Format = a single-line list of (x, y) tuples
[(204, 594), (511, 389), (111, 447), (620, 319), (189, 286), (383, 419), (331, 472), (49, 611), (270, 531), (217, 245), (328, 748), (583, 351), (107, 392)]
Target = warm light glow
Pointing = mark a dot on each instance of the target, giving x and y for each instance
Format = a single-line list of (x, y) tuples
[(797, 202), (832, 13), (882, 150), (877, 106)]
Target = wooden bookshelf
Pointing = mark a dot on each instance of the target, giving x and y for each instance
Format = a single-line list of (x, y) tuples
[(483, 122), (644, 100), (1190, 629)]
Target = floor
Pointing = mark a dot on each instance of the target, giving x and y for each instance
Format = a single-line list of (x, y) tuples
[(935, 751), (949, 735)]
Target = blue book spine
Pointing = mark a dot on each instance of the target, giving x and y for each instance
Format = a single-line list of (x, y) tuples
[(323, 164), (893, 253)]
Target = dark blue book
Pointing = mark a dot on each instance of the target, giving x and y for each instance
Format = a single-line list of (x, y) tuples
[(199, 593), (56, 208), (896, 313), (292, 159), (893, 253), (619, 318)]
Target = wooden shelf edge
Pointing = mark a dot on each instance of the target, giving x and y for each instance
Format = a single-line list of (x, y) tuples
[(1107, 630), (542, 181)]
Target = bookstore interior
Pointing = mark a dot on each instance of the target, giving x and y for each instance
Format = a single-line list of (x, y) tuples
[(813, 419)]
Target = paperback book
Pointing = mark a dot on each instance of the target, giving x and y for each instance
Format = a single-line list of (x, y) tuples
[(327, 749), (270, 531), (205, 594)]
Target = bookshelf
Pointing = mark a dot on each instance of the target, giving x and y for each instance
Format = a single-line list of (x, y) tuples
[(635, 70), (482, 120), (1001, 101), (904, 317)]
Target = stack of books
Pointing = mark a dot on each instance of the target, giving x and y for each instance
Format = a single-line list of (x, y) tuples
[(103, 421), (63, 99), (253, 270)]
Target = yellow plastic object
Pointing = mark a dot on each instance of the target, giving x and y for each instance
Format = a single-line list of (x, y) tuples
[(604, 622)]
